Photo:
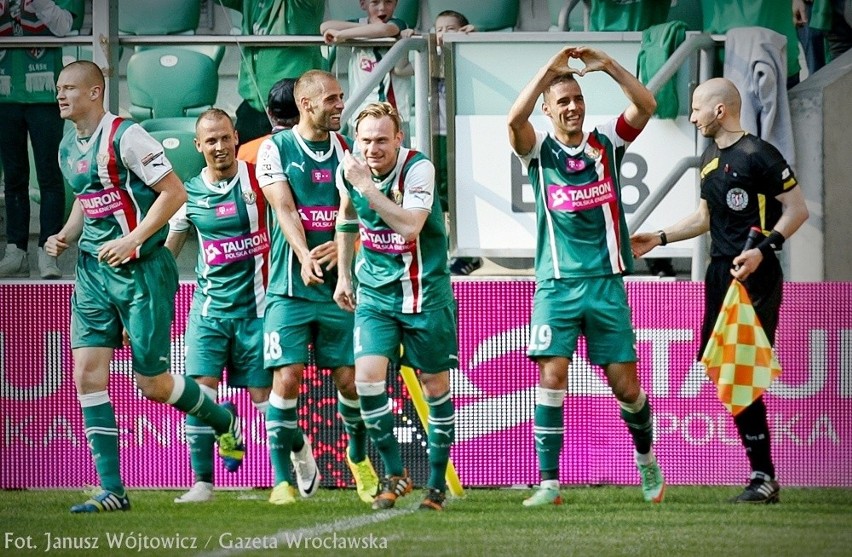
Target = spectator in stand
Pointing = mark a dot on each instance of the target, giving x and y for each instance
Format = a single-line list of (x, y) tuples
[(812, 38), (282, 112), (263, 66), (28, 107), (448, 21), (722, 15), (834, 17), (379, 23)]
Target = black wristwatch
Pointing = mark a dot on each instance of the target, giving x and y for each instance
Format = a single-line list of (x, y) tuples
[(663, 239)]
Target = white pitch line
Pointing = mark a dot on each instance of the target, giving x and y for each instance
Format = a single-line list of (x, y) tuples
[(335, 527)]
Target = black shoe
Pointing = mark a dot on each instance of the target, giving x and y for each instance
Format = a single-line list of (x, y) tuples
[(465, 265), (434, 500), (759, 491)]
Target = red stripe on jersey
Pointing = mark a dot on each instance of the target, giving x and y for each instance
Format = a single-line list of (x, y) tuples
[(414, 271), (612, 205), (342, 141), (261, 216), (127, 205), (625, 131)]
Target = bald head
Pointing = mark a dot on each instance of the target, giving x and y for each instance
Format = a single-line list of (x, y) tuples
[(86, 73), (312, 84), (718, 91)]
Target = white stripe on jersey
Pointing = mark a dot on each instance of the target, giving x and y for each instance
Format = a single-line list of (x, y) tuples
[(616, 263), (551, 234), (254, 225)]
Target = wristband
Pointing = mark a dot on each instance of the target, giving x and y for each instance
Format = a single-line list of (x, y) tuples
[(771, 243), (350, 227), (663, 239)]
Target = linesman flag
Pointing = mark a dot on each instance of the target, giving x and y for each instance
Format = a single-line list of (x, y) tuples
[(738, 357)]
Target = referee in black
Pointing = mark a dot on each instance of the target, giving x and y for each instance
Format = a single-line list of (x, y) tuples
[(745, 182)]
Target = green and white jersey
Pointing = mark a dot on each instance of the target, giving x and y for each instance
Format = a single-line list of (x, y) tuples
[(581, 228), (394, 274), (230, 220), (309, 168), (111, 173)]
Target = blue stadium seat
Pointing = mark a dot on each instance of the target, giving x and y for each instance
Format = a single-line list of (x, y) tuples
[(170, 82)]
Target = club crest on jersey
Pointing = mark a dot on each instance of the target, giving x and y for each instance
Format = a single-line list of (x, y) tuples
[(737, 199), (592, 152), (82, 167), (249, 197), (396, 193)]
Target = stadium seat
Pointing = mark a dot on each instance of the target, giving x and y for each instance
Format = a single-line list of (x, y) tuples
[(179, 123), (342, 10), (214, 51), (168, 82), (179, 147), (158, 17), (497, 15), (575, 17)]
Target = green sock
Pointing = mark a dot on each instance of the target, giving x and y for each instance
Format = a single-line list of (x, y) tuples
[(639, 422), (442, 433), (350, 414), (281, 429), (102, 436), (378, 420), (200, 437), (188, 397), (549, 431)]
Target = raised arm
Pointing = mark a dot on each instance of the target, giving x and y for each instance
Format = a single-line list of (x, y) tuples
[(642, 102), (521, 132)]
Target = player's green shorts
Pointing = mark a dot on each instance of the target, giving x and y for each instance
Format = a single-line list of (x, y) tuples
[(214, 343), (596, 307), (291, 325), (138, 297), (429, 340)]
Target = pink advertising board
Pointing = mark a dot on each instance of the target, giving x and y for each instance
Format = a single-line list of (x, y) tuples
[(809, 406)]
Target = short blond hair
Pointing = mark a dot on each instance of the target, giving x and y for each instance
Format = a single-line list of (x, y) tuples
[(380, 110)]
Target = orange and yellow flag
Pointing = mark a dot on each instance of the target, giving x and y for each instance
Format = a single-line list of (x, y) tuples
[(738, 357)]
